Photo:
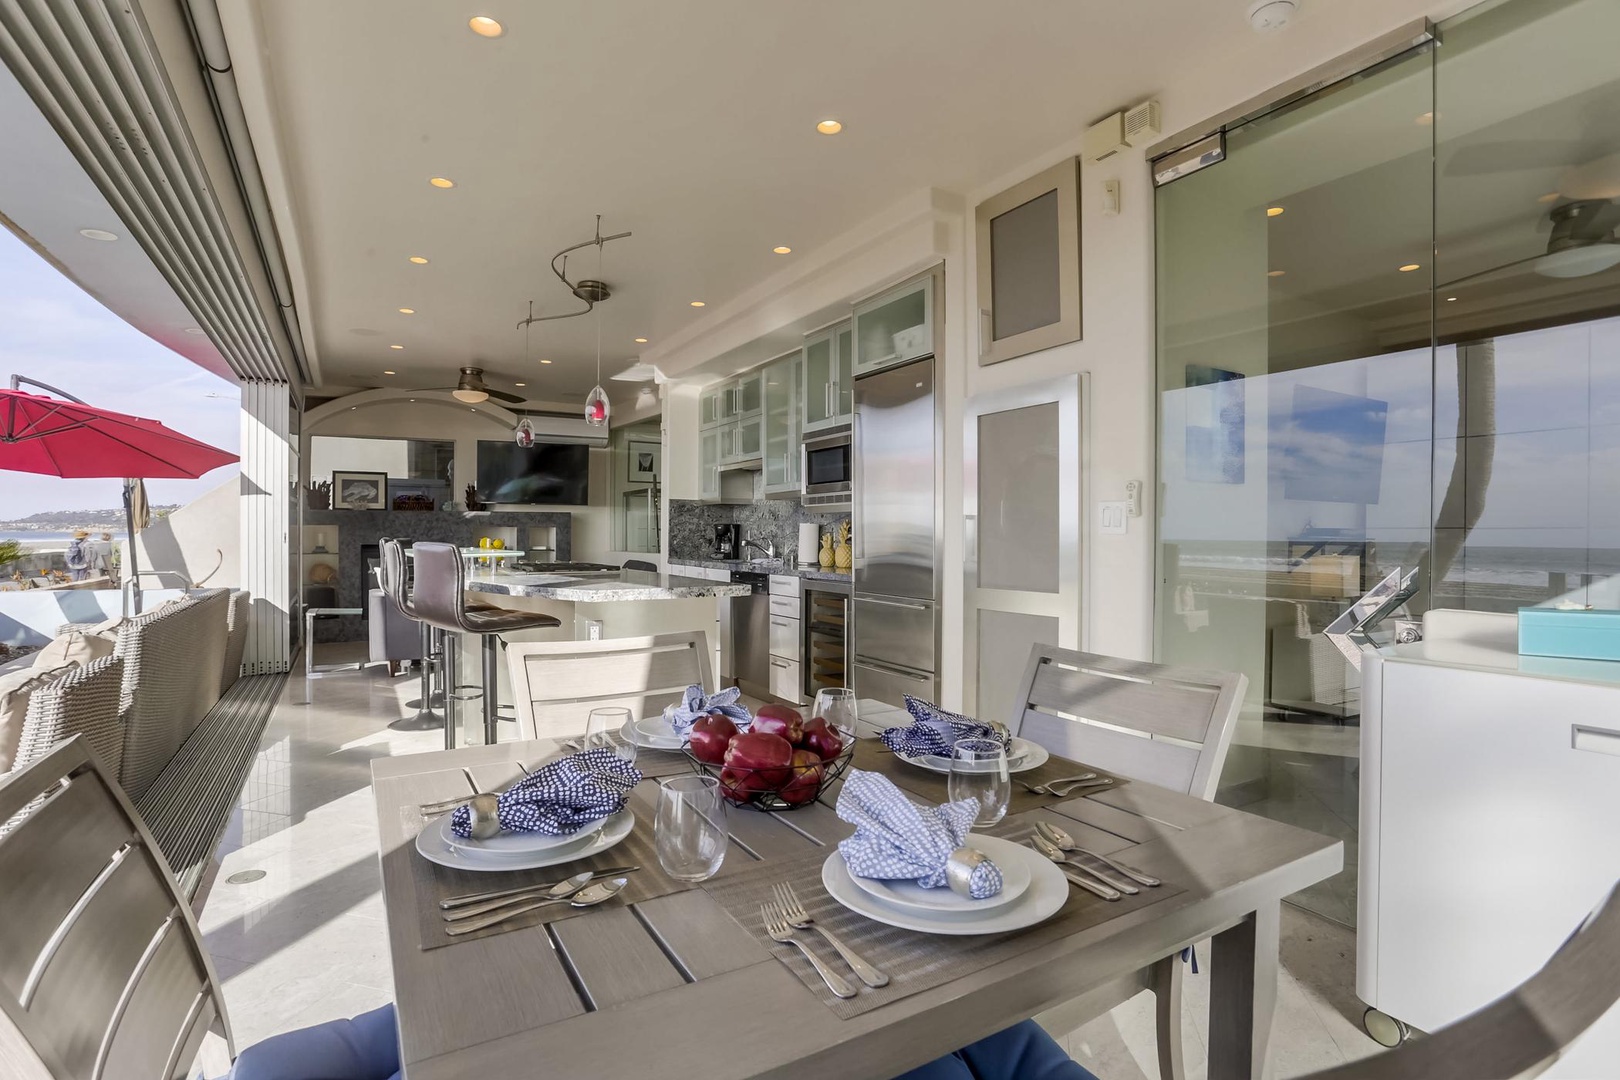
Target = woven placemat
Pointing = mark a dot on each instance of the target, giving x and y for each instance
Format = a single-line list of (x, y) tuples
[(435, 883), (872, 755), (913, 961)]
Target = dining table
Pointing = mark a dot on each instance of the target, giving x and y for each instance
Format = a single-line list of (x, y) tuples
[(681, 984)]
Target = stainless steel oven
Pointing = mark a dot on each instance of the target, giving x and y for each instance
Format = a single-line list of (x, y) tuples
[(828, 470)]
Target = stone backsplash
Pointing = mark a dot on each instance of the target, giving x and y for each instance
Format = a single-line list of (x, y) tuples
[(691, 525)]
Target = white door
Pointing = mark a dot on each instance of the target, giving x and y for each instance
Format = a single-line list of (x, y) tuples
[(1022, 476)]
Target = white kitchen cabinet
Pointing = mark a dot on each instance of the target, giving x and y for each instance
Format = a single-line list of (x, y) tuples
[(782, 426), (895, 326), (827, 383), (785, 682), (709, 463)]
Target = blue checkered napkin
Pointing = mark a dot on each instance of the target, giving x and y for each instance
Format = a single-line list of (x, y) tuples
[(561, 798), (934, 731), (895, 839), (694, 705)]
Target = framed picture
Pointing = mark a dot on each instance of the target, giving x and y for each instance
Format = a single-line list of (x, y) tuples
[(641, 462), (417, 494), (360, 490)]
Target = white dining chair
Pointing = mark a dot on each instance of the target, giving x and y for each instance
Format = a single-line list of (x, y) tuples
[(1149, 722), (103, 973), (555, 684)]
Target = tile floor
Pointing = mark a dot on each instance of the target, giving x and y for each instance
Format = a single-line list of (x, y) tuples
[(306, 941)]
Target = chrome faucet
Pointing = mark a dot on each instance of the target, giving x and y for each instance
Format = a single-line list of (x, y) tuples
[(768, 547)]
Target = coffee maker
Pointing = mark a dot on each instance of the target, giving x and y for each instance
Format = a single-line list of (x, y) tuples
[(728, 541)]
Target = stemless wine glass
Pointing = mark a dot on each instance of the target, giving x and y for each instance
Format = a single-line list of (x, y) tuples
[(603, 728), (979, 772), (837, 707), (690, 831)]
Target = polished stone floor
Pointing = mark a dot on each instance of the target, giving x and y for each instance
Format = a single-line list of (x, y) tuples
[(306, 942)]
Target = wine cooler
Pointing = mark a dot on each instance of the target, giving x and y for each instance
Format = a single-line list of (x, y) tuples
[(825, 642)]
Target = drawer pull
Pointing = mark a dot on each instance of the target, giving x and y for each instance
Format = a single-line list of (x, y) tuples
[(781, 663), (1597, 740)]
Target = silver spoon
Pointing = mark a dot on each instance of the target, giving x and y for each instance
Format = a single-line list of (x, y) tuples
[(1063, 840), (1057, 855), (560, 891), (1085, 881), (587, 897)]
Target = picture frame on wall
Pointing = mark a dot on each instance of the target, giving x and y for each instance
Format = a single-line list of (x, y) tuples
[(641, 462), (360, 490)]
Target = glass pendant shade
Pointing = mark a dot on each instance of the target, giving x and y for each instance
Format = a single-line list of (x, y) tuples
[(597, 407)]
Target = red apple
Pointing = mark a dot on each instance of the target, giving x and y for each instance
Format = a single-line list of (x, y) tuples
[(734, 786), (764, 757), (780, 720), (806, 780), (823, 738), (710, 736)]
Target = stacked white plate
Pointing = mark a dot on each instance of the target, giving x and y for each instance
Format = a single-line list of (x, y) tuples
[(520, 851), (1032, 891), (651, 732), (1022, 756)]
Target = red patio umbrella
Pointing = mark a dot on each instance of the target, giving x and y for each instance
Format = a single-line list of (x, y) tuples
[(63, 436)]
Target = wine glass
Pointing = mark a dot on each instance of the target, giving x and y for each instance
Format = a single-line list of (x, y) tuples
[(979, 772), (602, 729), (836, 705), (690, 830)]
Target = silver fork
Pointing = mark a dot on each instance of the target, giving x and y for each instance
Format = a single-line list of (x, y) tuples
[(1068, 783), (776, 926), (444, 806), (799, 918)]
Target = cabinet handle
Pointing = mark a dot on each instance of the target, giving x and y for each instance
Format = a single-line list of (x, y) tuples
[(781, 663), (778, 622), (1597, 740)]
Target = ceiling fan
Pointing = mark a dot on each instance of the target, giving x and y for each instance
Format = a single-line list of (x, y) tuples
[(1582, 242), (472, 389)]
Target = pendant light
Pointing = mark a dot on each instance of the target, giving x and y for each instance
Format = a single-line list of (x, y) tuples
[(597, 406)]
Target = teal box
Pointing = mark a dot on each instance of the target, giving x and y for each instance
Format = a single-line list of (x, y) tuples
[(1576, 633)]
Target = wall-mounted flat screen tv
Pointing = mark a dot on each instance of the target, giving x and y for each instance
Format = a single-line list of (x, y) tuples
[(545, 474)]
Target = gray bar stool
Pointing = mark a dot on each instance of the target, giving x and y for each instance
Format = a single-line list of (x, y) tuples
[(393, 584), (440, 599)]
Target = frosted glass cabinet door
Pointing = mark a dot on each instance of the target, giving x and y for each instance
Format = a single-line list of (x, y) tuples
[(782, 426), (1029, 265), (750, 394), (710, 404), (895, 326), (818, 381), (843, 395), (709, 464)]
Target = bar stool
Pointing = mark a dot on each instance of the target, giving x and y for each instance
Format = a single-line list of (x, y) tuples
[(440, 599), (393, 585)]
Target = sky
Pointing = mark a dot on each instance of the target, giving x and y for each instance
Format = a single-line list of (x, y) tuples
[(53, 331)]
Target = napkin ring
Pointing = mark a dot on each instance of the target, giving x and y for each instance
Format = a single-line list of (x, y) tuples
[(959, 868)]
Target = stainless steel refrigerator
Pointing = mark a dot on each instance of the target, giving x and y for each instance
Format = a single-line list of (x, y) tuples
[(896, 608)]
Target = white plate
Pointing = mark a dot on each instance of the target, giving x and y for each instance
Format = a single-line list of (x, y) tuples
[(431, 844), (1048, 891), (909, 896), (1022, 756), (515, 845), (653, 732)]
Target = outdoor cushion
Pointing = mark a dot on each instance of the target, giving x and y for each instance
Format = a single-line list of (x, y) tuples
[(365, 1048), (1021, 1052), (15, 690), (75, 646)]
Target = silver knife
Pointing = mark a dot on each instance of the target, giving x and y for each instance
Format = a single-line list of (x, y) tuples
[(1091, 884), (451, 902)]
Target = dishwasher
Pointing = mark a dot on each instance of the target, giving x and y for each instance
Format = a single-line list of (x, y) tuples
[(751, 633)]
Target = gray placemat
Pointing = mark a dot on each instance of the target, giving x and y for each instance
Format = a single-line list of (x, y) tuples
[(913, 961), (873, 756), (435, 883)]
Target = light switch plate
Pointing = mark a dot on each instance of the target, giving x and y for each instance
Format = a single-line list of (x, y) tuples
[(1111, 518)]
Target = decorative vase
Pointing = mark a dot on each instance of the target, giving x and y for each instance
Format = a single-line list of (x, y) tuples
[(827, 557), (844, 555)]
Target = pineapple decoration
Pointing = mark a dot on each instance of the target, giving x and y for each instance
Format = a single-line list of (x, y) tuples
[(827, 557), (843, 556)]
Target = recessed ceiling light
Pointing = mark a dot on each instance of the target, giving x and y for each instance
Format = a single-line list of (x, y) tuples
[(1275, 273), (1409, 267), (783, 250), (418, 260), (484, 26), (1550, 197), (413, 399), (353, 407), (98, 234), (1425, 120), (545, 361), (1274, 211), (194, 330), (407, 311), (442, 182), (641, 341), (829, 127), (396, 346), (698, 303), (520, 384), (1449, 299), (386, 372)]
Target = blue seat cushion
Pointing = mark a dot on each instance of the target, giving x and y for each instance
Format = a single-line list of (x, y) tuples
[(364, 1048), (1022, 1052)]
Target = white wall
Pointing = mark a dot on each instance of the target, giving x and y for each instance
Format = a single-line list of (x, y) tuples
[(200, 542)]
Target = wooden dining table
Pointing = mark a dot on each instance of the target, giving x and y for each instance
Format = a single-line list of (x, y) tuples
[(675, 986)]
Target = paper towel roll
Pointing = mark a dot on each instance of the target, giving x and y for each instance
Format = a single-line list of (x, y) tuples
[(809, 543)]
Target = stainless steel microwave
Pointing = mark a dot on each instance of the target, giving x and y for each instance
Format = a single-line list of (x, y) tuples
[(828, 471)]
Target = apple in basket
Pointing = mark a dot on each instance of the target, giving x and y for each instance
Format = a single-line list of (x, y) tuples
[(806, 780), (710, 736), (737, 787), (822, 739), (763, 760), (780, 720)]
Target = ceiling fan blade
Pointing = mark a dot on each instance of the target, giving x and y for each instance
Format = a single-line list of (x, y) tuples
[(1481, 159), (503, 395), (1492, 272)]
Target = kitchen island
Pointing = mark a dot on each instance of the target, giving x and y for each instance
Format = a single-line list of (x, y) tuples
[(625, 586)]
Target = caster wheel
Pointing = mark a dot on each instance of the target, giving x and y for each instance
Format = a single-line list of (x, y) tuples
[(1384, 1028)]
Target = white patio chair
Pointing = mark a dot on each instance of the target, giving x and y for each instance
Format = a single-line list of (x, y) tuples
[(555, 684)]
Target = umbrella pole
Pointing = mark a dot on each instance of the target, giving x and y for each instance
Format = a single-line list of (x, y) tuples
[(132, 587)]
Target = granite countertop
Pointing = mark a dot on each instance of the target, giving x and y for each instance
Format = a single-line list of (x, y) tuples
[(768, 566), (601, 588)]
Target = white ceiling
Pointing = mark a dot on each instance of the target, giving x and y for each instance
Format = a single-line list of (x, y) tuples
[(693, 125)]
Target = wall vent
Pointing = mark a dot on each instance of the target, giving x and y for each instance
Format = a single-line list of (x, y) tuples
[(1142, 124)]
